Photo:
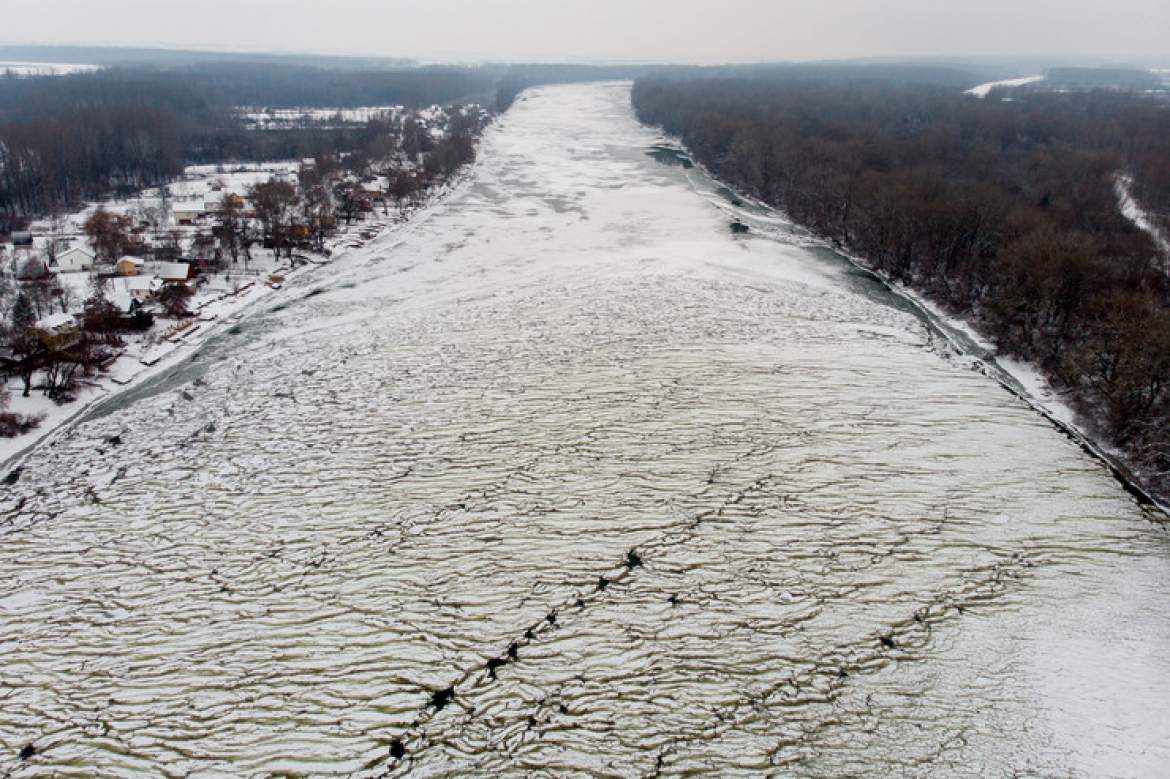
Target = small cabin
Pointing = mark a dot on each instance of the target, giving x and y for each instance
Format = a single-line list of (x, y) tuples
[(74, 260), (174, 272), (129, 266)]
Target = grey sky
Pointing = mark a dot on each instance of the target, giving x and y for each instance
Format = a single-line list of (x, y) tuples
[(660, 30)]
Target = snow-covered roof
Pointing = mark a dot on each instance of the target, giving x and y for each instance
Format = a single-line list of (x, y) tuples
[(174, 270), (77, 250), (53, 321), (132, 284), (133, 260), (123, 301)]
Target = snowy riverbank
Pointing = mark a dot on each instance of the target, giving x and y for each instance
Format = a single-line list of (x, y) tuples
[(964, 341), (141, 361)]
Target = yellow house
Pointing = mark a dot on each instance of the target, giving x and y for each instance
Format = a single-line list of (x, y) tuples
[(129, 266)]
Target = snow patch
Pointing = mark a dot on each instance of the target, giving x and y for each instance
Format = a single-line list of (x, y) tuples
[(25, 69), (983, 90), (1133, 211)]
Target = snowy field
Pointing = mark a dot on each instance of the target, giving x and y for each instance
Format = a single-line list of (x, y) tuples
[(44, 68), (272, 118), (284, 118), (566, 479)]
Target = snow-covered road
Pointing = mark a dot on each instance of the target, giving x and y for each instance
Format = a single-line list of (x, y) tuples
[(567, 479)]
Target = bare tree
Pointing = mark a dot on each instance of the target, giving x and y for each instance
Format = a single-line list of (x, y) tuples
[(229, 225), (274, 201), (174, 299), (108, 233)]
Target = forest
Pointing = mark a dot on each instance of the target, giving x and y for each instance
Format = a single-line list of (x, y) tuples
[(68, 139), (1003, 211)]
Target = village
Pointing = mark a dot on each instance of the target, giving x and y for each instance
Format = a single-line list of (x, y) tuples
[(93, 300)]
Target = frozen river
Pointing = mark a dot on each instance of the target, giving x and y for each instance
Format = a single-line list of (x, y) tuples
[(567, 479)]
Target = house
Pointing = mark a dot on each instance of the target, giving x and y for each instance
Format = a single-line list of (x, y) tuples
[(188, 213), (22, 238), (374, 190), (174, 272), (213, 205), (129, 266), (74, 260), (138, 288), (124, 302)]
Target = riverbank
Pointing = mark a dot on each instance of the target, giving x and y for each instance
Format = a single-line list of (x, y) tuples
[(1018, 377), (140, 363)]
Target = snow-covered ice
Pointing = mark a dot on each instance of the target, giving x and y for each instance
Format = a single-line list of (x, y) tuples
[(567, 479)]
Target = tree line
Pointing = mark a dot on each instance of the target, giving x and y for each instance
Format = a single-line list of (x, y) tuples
[(1003, 211), (205, 90), (68, 139), (47, 165)]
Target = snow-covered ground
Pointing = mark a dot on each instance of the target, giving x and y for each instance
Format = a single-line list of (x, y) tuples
[(276, 118), (44, 68), (216, 299), (983, 90), (269, 118), (1136, 214), (565, 477), (199, 186), (221, 299)]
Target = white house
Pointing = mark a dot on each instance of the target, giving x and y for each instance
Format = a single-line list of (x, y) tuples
[(74, 260), (174, 271), (188, 213), (139, 288)]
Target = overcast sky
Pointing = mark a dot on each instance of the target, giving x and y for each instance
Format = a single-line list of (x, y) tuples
[(645, 30)]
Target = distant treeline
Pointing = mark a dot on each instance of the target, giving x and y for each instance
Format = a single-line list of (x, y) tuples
[(68, 139), (1005, 212), (47, 164), (516, 78), (200, 90), (1102, 78)]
